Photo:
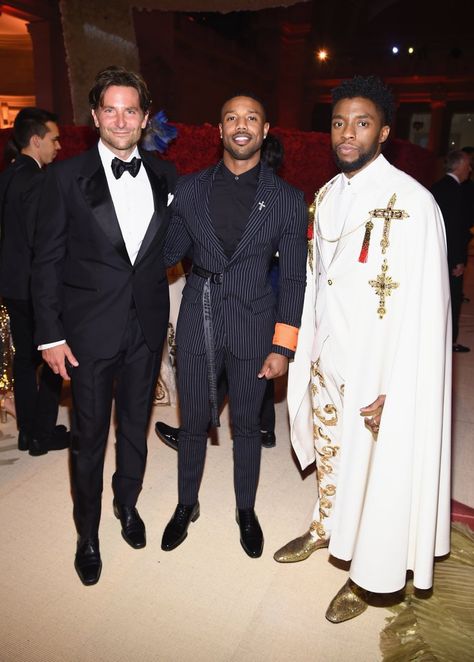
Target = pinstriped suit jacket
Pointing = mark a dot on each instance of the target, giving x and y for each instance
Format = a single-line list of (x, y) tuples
[(244, 306)]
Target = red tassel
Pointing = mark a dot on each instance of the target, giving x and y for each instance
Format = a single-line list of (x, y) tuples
[(364, 251)]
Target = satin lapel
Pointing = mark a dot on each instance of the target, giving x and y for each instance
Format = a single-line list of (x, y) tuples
[(159, 187), (202, 188), (265, 198), (93, 184)]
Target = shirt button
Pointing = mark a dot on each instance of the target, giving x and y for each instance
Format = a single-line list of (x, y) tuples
[(329, 282)]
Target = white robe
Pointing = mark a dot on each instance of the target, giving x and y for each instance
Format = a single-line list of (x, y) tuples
[(392, 510)]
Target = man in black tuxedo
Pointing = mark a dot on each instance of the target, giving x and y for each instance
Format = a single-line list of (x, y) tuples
[(101, 301), (232, 218), (36, 136), (450, 196)]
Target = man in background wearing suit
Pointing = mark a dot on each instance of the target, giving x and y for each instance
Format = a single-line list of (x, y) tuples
[(101, 301), (232, 218), (450, 196), (36, 136)]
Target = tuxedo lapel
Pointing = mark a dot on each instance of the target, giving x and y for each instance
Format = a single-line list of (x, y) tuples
[(265, 198), (93, 184), (159, 188)]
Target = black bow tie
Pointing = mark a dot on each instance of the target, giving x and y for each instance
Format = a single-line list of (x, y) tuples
[(119, 166)]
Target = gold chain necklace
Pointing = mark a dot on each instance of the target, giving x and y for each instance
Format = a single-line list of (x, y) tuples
[(341, 236)]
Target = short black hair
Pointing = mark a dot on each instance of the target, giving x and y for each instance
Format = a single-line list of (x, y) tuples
[(122, 77), (368, 87), (29, 122), (250, 95)]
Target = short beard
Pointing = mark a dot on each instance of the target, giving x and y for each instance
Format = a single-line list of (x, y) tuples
[(358, 164)]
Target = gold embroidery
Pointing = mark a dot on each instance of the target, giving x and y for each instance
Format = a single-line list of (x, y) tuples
[(316, 372), (329, 409), (383, 286), (322, 435), (318, 529)]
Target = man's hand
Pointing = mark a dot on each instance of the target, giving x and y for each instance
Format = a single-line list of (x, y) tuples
[(275, 365), (56, 358), (373, 415)]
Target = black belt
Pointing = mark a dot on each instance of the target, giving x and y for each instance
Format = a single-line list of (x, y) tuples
[(216, 278)]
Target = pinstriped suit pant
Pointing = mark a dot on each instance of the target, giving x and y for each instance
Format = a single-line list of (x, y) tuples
[(246, 394)]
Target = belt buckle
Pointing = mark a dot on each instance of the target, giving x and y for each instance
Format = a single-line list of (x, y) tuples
[(217, 278)]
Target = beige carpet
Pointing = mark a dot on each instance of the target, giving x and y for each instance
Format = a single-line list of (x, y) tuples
[(204, 602)]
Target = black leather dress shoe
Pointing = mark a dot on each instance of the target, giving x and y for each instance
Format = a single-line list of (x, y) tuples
[(177, 528), (60, 439), (268, 438), (461, 348), (88, 563), (36, 447), (24, 439), (133, 527), (251, 535), (167, 434)]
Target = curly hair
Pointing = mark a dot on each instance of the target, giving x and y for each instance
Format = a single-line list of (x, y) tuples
[(368, 87), (120, 76)]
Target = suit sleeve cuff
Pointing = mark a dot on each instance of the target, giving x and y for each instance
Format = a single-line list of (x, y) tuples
[(278, 349), (285, 336), (48, 345)]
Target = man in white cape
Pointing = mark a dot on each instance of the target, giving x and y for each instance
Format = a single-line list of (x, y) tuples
[(370, 385)]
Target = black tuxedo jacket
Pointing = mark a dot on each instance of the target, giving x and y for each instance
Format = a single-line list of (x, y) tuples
[(244, 306), (452, 201), (20, 186), (83, 281)]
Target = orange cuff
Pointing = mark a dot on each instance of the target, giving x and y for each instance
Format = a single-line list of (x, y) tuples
[(286, 336)]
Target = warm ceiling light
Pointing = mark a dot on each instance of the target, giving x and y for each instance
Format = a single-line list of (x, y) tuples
[(322, 55), (411, 50)]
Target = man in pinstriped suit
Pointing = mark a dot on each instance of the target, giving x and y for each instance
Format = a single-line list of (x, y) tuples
[(233, 217)]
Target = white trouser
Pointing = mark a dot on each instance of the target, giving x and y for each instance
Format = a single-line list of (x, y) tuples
[(327, 391)]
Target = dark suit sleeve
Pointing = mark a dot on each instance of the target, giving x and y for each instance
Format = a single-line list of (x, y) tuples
[(49, 252), (292, 252), (178, 242), (30, 202)]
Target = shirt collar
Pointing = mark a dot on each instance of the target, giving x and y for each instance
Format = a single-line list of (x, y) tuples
[(107, 155), (365, 176), (451, 174), (249, 175)]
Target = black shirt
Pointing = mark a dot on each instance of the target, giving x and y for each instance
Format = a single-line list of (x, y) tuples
[(230, 204)]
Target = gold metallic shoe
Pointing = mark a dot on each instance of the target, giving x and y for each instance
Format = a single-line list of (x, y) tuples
[(350, 601), (300, 548)]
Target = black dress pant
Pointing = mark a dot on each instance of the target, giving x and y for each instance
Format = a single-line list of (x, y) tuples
[(36, 399), (130, 376), (267, 412), (456, 287), (246, 394)]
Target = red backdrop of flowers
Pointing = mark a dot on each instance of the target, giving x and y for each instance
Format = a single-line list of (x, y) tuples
[(308, 163)]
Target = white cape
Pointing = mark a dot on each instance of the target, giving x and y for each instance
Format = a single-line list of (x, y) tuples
[(392, 509)]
